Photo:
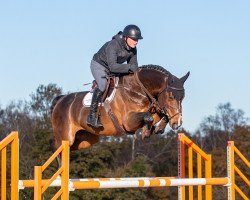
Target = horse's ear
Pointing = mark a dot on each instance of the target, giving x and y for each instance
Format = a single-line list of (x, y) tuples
[(184, 78)]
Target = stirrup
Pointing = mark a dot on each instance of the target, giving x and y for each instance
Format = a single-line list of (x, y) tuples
[(94, 122), (98, 123)]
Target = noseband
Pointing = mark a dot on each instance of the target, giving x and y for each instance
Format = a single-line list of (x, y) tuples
[(165, 109)]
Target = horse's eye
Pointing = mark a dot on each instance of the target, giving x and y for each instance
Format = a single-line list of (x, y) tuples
[(171, 98)]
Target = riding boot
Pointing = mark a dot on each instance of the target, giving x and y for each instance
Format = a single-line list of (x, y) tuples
[(92, 119)]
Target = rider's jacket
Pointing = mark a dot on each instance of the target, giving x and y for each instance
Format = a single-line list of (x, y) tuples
[(115, 52)]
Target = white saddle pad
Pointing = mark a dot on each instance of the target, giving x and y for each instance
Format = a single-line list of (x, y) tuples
[(88, 97)]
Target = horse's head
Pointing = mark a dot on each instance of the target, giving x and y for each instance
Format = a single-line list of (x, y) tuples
[(170, 99), (165, 91)]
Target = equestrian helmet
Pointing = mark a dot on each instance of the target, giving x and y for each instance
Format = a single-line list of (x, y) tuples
[(132, 31)]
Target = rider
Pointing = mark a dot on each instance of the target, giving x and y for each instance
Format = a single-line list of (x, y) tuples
[(110, 59)]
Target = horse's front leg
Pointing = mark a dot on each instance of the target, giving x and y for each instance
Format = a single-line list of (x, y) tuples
[(136, 120), (159, 128)]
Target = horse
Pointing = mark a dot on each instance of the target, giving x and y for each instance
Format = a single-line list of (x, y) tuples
[(146, 100)]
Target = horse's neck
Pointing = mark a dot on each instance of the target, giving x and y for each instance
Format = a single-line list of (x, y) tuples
[(145, 83), (153, 82), (128, 81), (130, 88)]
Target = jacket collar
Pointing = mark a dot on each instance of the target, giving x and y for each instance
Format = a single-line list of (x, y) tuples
[(121, 40)]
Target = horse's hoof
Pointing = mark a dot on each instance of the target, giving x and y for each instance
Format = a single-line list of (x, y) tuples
[(158, 131), (145, 134)]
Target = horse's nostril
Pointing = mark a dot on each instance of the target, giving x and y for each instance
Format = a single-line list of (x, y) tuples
[(175, 126)]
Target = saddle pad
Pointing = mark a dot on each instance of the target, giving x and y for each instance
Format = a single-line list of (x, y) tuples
[(88, 97)]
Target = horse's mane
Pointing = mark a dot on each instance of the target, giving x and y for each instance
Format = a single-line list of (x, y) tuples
[(157, 68), (174, 82)]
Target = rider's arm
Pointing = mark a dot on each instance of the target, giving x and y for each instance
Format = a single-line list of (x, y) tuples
[(133, 59), (111, 53)]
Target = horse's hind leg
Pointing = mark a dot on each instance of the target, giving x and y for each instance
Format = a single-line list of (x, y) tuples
[(83, 140)]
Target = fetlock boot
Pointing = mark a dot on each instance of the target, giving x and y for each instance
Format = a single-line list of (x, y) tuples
[(92, 119)]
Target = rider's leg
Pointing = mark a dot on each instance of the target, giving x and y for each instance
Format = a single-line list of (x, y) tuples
[(93, 119), (99, 73)]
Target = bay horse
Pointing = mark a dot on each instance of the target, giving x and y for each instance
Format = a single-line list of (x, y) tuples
[(147, 99)]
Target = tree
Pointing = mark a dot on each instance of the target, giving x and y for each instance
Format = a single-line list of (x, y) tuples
[(217, 129), (42, 99), (41, 102), (16, 117)]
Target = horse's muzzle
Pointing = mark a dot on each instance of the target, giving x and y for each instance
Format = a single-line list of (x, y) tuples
[(175, 126)]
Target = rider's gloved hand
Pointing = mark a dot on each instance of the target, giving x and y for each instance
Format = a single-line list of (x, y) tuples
[(133, 68)]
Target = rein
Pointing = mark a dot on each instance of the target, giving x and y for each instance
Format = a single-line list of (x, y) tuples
[(154, 103)]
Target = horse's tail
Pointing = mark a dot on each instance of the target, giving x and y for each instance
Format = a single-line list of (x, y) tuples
[(54, 102)]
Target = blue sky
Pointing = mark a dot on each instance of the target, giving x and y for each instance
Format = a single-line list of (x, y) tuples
[(44, 42)]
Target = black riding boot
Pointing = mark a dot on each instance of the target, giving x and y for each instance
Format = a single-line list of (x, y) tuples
[(92, 119)]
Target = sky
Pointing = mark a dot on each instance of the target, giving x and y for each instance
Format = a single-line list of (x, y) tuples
[(44, 42)]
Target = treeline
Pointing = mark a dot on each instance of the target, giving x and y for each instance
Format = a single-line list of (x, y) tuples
[(126, 156)]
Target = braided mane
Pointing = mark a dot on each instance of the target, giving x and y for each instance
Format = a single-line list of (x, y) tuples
[(173, 81), (157, 68)]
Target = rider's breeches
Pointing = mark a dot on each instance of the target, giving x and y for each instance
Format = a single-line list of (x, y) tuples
[(99, 73)]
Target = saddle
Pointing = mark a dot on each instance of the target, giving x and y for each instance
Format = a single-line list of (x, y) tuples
[(108, 95), (112, 83)]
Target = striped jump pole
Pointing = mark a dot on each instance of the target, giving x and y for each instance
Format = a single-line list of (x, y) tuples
[(139, 182)]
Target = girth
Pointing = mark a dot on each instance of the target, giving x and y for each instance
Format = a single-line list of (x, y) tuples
[(108, 109)]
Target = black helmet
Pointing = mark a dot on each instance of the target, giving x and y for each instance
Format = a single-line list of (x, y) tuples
[(132, 31)]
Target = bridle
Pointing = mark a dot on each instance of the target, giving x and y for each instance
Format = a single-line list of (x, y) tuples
[(154, 102), (168, 106)]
